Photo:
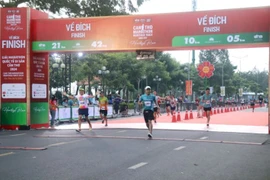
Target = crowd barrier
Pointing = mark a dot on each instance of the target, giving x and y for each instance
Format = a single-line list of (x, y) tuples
[(71, 113)]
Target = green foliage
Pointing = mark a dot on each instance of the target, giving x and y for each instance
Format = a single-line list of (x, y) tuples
[(82, 8)]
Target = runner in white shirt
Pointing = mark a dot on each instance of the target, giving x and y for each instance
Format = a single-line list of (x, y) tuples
[(83, 107)]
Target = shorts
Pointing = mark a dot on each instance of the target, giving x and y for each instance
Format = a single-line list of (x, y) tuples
[(168, 105), (103, 112), (148, 115), (155, 109), (172, 108), (207, 109), (83, 112)]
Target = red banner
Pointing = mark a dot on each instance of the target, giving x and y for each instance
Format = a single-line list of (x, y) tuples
[(189, 88), (154, 31), (14, 36)]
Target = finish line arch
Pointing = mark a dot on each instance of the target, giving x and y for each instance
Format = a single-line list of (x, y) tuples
[(27, 36)]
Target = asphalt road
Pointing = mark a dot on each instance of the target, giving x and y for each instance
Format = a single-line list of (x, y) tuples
[(122, 154)]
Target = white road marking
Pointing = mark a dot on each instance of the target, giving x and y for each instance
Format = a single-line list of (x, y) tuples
[(179, 148), (6, 154), (204, 137), (138, 165), (63, 143), (18, 134), (122, 131)]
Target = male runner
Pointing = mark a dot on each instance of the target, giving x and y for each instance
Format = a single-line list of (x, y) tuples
[(156, 107), (103, 108), (82, 99), (148, 100), (207, 106)]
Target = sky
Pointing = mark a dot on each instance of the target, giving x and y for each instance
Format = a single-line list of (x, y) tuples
[(247, 59)]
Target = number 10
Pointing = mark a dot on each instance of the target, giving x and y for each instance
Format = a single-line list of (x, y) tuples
[(190, 40)]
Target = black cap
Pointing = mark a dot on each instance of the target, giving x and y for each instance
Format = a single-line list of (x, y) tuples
[(207, 89)]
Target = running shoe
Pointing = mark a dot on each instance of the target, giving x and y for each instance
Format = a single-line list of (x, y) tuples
[(150, 135)]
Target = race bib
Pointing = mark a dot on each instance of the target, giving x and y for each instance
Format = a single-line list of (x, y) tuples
[(207, 102), (147, 103), (102, 108)]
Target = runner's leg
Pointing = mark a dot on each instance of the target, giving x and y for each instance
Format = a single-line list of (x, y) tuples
[(80, 122)]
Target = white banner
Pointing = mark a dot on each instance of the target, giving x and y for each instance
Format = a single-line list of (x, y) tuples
[(241, 92), (211, 90), (222, 91)]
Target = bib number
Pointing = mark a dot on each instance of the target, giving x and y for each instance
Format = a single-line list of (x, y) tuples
[(207, 102), (147, 103)]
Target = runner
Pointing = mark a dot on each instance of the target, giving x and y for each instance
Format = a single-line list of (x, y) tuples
[(82, 99), (173, 105), (197, 103), (103, 108), (252, 103), (148, 100), (200, 112), (168, 104), (207, 104), (156, 107)]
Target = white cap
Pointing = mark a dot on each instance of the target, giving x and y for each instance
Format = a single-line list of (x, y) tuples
[(147, 87)]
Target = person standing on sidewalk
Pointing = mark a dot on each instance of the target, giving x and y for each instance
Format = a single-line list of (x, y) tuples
[(148, 100), (53, 107), (103, 108), (207, 106), (82, 99)]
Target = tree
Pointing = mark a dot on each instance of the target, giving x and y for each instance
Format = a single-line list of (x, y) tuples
[(82, 8)]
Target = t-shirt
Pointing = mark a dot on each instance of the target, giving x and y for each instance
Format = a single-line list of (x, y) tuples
[(173, 103), (157, 101), (53, 105), (103, 102), (207, 100), (83, 101), (148, 101), (117, 101)]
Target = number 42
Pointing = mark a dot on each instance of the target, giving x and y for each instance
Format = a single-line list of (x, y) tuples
[(97, 44)]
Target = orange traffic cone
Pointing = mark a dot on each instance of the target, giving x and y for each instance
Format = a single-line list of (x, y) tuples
[(211, 112), (204, 114), (221, 111), (218, 111), (174, 118), (186, 115), (190, 114), (215, 112), (178, 116)]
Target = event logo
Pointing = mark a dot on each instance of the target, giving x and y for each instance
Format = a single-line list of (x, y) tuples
[(13, 22), (258, 37), (143, 31), (205, 69), (13, 110), (143, 42), (39, 109)]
